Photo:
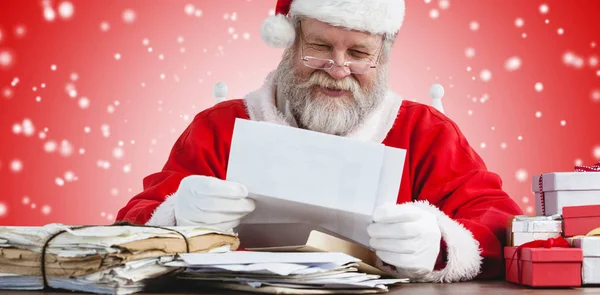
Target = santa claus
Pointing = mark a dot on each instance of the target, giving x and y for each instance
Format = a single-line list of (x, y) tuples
[(450, 218)]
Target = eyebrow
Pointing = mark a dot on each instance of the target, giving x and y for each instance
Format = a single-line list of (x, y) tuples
[(359, 46)]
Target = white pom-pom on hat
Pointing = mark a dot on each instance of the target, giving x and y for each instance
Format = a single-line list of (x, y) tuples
[(278, 31)]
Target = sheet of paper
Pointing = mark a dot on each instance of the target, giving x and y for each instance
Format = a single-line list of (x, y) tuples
[(243, 257), (296, 175)]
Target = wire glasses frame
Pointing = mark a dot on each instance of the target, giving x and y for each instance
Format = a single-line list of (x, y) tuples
[(355, 67)]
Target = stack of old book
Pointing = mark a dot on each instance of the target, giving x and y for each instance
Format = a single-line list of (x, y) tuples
[(116, 259)]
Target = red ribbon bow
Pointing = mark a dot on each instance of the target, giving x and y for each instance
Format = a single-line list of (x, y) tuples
[(578, 168), (558, 242)]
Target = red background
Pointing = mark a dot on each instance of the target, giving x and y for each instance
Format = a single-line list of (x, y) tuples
[(145, 113)]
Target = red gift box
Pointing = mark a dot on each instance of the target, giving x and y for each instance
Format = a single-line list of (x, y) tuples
[(544, 267), (580, 220)]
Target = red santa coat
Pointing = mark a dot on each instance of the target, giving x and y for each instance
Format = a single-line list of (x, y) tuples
[(442, 174)]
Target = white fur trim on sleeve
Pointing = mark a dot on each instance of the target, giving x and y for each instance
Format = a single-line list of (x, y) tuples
[(463, 252), (164, 215)]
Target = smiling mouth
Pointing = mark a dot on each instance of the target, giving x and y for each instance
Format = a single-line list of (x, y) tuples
[(333, 92)]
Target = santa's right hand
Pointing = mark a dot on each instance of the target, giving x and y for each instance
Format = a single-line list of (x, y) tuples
[(212, 202)]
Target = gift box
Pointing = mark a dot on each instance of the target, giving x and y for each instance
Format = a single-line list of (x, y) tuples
[(590, 246), (544, 267), (554, 191), (524, 229), (580, 220)]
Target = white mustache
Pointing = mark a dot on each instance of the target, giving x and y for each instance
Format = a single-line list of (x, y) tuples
[(324, 80)]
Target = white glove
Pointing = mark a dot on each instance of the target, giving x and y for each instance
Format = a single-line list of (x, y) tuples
[(406, 237), (209, 201)]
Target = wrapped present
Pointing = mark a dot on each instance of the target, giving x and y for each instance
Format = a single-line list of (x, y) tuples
[(544, 263), (523, 229), (590, 246), (556, 190), (580, 220)]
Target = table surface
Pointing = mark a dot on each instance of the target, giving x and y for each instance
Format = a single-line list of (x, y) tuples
[(467, 288)]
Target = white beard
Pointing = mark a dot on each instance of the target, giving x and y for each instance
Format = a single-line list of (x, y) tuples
[(337, 116)]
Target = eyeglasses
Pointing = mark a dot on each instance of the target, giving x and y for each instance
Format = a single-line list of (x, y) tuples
[(355, 67)]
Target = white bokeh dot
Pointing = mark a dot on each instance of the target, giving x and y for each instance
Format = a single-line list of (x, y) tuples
[(16, 165), (474, 26), (560, 31), (529, 209), (512, 64), (3, 209), (483, 145), (563, 123), (50, 146), (578, 162), (444, 4), (129, 16), (596, 152), (521, 175), (539, 87), (84, 102), (66, 9), (519, 137), (485, 75), (544, 8), (104, 26), (25, 200), (434, 13), (503, 145), (118, 153), (595, 95), (46, 210), (525, 200), (538, 114), (470, 52), (519, 22), (189, 9), (117, 56), (59, 181)]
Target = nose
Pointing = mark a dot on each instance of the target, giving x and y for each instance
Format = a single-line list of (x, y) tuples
[(338, 71)]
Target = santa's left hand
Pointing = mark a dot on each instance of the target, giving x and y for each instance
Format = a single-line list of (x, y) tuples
[(406, 237)]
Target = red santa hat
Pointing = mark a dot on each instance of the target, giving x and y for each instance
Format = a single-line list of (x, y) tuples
[(372, 16)]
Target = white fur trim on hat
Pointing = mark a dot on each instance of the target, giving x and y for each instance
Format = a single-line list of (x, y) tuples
[(278, 31), (378, 17)]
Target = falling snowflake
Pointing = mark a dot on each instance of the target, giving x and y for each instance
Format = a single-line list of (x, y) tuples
[(81, 151), (519, 137), (110, 109), (572, 59), (519, 22), (84, 102), (20, 31), (3, 209), (563, 123), (474, 26), (529, 209), (521, 175), (66, 149), (246, 36), (104, 26), (512, 64), (50, 146), (578, 162), (189, 9), (70, 176), (593, 61), (74, 77), (87, 129), (503, 145), (538, 114), (127, 168), (25, 200), (49, 13), (198, 13), (544, 8), (539, 87), (234, 16), (525, 200), (560, 31), (128, 16), (53, 67), (118, 153), (66, 10), (595, 95), (114, 192), (470, 52), (46, 210), (434, 13), (17, 129), (483, 145), (485, 75), (33, 206), (59, 181), (6, 58), (597, 152), (105, 129), (117, 56), (524, 35), (444, 4), (16, 165)]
